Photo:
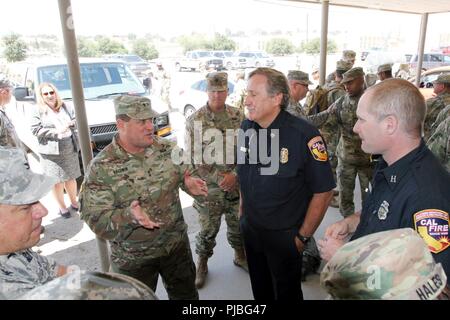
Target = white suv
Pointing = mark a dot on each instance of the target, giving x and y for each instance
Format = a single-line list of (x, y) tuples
[(253, 59)]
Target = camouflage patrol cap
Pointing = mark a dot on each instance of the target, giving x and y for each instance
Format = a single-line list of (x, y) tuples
[(217, 81), (388, 265), (135, 107), (384, 67), (86, 285), (299, 76), (443, 78), (343, 65), (352, 74), (18, 184), (403, 66), (348, 55)]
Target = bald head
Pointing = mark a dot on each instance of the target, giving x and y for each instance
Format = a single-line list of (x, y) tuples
[(400, 98)]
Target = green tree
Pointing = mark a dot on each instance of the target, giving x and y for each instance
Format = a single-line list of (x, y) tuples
[(313, 46), (15, 49), (108, 46), (145, 49), (279, 46), (221, 42), (192, 42), (87, 48)]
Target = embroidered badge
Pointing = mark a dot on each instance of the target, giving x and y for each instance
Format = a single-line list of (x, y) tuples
[(433, 225), (284, 155), (317, 148), (383, 210)]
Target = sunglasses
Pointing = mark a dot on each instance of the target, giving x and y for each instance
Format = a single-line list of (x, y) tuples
[(48, 93)]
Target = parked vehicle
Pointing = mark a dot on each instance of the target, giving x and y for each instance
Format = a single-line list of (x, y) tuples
[(427, 78), (226, 56), (102, 81), (430, 60), (194, 97), (253, 59), (199, 61), (138, 65)]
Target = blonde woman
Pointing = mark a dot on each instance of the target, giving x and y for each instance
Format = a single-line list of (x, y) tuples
[(54, 126)]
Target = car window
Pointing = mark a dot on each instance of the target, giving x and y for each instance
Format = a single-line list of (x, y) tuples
[(447, 59), (98, 79), (435, 58), (203, 54), (132, 59), (228, 53)]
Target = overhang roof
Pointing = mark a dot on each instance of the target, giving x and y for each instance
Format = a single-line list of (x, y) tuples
[(403, 6)]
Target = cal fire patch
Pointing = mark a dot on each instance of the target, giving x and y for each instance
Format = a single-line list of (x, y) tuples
[(317, 148), (433, 225)]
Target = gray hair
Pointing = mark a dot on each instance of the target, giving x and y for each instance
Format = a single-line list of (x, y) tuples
[(400, 98), (276, 83)]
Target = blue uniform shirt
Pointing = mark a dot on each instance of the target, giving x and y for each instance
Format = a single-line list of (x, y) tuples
[(413, 192), (279, 201)]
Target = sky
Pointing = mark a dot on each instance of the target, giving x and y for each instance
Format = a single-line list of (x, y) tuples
[(175, 17)]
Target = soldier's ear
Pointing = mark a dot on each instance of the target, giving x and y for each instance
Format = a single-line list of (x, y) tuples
[(391, 124)]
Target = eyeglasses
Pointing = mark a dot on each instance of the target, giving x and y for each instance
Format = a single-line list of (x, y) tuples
[(48, 93)]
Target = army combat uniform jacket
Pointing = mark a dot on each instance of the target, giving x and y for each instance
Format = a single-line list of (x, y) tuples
[(115, 178), (23, 271)]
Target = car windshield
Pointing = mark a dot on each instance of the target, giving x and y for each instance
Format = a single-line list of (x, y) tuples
[(99, 79), (262, 55), (203, 54), (228, 53), (132, 59)]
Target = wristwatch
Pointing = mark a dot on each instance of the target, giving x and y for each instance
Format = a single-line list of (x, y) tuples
[(303, 239)]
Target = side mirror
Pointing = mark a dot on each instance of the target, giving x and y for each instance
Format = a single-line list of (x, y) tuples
[(21, 94)]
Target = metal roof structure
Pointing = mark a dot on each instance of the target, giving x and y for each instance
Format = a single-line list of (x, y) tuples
[(401, 6)]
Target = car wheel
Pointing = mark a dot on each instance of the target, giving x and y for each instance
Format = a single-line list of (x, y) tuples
[(188, 111)]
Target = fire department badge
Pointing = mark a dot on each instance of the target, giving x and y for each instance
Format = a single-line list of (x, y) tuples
[(433, 225), (317, 148), (284, 155)]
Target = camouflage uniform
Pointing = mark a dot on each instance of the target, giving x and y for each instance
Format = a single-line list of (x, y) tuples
[(295, 107), (434, 107), (439, 143), (218, 201), (403, 71), (114, 179), (22, 270), (351, 159), (164, 78), (8, 135), (388, 265), (91, 286)]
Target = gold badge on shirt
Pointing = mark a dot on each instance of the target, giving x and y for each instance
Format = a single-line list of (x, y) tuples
[(284, 155)]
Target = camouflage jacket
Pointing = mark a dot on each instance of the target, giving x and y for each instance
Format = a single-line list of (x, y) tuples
[(444, 114), (114, 179), (434, 107), (330, 131), (296, 109), (23, 271), (8, 135), (343, 116), (220, 161), (439, 143)]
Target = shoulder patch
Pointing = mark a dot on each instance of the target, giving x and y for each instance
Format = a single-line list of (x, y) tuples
[(318, 149), (433, 225)]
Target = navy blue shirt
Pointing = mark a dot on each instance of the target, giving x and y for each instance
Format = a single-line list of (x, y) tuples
[(279, 201), (412, 192)]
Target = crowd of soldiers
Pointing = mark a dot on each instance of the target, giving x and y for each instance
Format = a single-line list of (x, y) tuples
[(130, 192)]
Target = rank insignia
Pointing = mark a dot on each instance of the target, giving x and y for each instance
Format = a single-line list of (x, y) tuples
[(284, 155), (383, 210), (317, 148), (433, 225)]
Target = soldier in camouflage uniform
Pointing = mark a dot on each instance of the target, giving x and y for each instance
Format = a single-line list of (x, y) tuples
[(223, 192), (130, 197), (439, 142), (298, 86), (347, 56), (403, 71), (435, 105), (164, 80), (388, 265), (8, 135), (384, 71), (240, 91), (351, 159), (86, 285), (22, 269)]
